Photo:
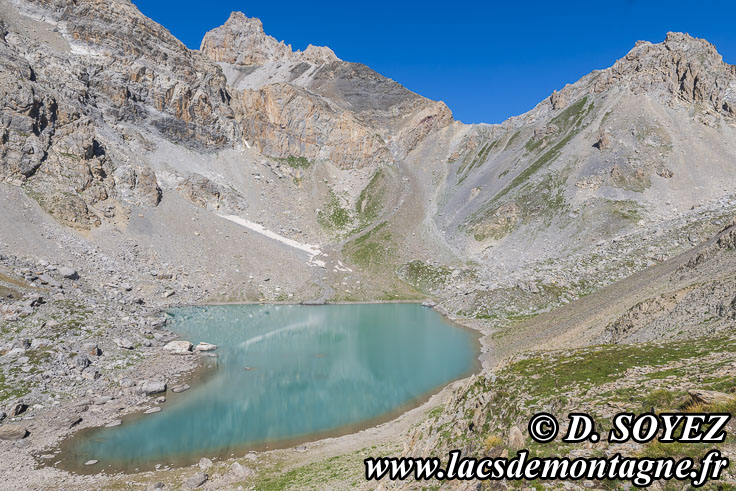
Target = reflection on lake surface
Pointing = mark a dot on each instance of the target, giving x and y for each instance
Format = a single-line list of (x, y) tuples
[(287, 372)]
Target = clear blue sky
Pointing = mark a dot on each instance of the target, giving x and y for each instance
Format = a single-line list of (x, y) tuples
[(486, 60)]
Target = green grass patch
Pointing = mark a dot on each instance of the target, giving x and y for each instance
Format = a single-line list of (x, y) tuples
[(601, 364), (333, 216), (296, 162), (373, 249), (425, 277), (370, 202)]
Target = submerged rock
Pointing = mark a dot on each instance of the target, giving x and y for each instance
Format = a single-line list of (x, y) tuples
[(180, 388), (205, 347)]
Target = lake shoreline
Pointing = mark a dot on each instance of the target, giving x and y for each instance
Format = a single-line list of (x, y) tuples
[(183, 369), (186, 460)]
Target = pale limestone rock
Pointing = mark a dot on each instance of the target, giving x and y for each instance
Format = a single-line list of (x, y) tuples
[(179, 347)]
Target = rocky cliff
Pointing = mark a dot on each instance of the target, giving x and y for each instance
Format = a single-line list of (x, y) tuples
[(312, 104)]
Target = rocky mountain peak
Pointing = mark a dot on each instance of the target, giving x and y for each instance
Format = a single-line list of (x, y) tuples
[(318, 55), (242, 41), (683, 42), (680, 68)]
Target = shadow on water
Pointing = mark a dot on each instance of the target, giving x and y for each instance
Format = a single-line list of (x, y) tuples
[(286, 375)]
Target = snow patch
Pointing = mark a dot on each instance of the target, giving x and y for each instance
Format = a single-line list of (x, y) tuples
[(312, 250)]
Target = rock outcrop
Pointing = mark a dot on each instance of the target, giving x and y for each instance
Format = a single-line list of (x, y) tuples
[(311, 104), (686, 68)]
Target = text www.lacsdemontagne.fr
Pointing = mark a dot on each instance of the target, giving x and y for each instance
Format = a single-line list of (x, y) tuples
[(639, 471)]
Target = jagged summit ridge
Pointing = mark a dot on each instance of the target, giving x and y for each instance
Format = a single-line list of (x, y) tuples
[(242, 41), (681, 67)]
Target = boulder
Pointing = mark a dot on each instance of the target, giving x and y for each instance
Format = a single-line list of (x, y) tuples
[(205, 463), (124, 343), (205, 347), (90, 373), (48, 280), (12, 432), (126, 383), (709, 396), (18, 409), (516, 439), (195, 481), (179, 347), (69, 273), (92, 349), (70, 421), (240, 471), (82, 361), (180, 388), (152, 410), (150, 387)]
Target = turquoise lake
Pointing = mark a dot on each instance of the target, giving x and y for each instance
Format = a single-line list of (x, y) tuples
[(286, 373)]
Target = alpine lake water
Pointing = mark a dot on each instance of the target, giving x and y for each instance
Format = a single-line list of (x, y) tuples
[(285, 374)]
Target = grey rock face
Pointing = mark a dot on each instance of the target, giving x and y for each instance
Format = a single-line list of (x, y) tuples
[(138, 185), (241, 41)]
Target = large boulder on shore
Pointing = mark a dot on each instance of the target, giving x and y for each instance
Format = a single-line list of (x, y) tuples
[(150, 387), (179, 347), (12, 432)]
